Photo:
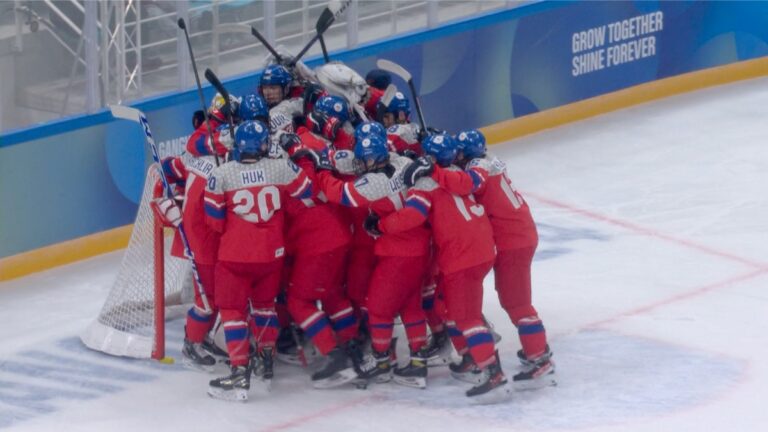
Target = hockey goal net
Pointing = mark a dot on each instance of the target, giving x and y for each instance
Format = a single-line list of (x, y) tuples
[(149, 288)]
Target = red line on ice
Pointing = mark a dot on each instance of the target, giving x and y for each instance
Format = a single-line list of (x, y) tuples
[(323, 412), (647, 231)]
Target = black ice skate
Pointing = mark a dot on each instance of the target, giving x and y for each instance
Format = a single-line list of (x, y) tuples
[(375, 367), (293, 348), (336, 370), (197, 358), (263, 367), (233, 387), (414, 374), (493, 388), (537, 373), (216, 351), (439, 349), (466, 370), (524, 359)]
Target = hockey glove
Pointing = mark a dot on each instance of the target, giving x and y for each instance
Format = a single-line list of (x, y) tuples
[(410, 154), (421, 167), (312, 92), (167, 210), (371, 225), (321, 124), (290, 143)]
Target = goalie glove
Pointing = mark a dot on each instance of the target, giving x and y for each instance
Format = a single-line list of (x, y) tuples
[(167, 211), (371, 225), (421, 167)]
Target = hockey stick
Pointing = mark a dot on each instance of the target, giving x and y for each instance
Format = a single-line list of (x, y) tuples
[(216, 83), (299, 346), (267, 45), (334, 10), (384, 102), (400, 71), (134, 115), (182, 25)]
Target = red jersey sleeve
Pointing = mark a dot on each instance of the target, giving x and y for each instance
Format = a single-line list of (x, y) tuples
[(413, 214), (461, 182), (341, 192)]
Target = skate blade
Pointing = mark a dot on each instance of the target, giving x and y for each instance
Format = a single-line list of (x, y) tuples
[(468, 377), (413, 382), (438, 361), (263, 385), (535, 384), (191, 365), (291, 359), (235, 395), (338, 379), (498, 395)]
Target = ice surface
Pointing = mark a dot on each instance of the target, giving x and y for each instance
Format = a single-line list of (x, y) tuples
[(650, 278)]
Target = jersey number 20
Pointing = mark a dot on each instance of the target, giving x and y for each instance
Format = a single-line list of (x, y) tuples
[(267, 201)]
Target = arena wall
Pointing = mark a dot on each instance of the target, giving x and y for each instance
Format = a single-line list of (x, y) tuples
[(69, 189)]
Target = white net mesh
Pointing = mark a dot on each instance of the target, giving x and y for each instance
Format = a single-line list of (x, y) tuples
[(126, 324)]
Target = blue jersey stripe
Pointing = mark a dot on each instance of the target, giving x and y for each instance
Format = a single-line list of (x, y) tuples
[(530, 329), (418, 206), (214, 212)]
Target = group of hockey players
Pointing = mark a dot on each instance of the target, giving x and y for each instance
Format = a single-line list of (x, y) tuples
[(319, 212)]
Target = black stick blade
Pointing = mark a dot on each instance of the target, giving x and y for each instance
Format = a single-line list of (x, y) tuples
[(182, 24)]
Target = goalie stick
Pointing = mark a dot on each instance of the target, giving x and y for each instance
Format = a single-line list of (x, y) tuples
[(334, 10), (400, 71), (134, 115), (182, 25)]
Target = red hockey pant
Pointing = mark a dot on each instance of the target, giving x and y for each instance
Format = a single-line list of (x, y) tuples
[(360, 268), (241, 283), (396, 288), (512, 273), (320, 277), (463, 292), (200, 320)]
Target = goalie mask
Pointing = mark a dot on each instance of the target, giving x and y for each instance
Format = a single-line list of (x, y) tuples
[(340, 80), (219, 111)]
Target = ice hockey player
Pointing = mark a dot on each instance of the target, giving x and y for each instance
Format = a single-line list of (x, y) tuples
[(274, 86), (465, 254), (378, 78), (192, 170), (515, 236), (403, 135), (244, 201), (318, 237), (401, 258)]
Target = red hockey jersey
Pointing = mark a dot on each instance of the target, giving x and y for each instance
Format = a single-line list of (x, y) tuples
[(487, 179), (381, 193), (460, 227), (245, 203)]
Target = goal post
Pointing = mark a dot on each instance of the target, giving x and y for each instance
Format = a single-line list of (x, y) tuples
[(151, 286)]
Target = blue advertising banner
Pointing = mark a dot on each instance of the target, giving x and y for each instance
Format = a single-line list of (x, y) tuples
[(79, 176)]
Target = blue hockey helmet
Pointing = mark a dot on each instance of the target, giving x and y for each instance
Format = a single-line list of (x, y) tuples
[(371, 150), (378, 78), (252, 139), (366, 129), (333, 106), (471, 143), (276, 75), (254, 107), (442, 147), (398, 104)]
